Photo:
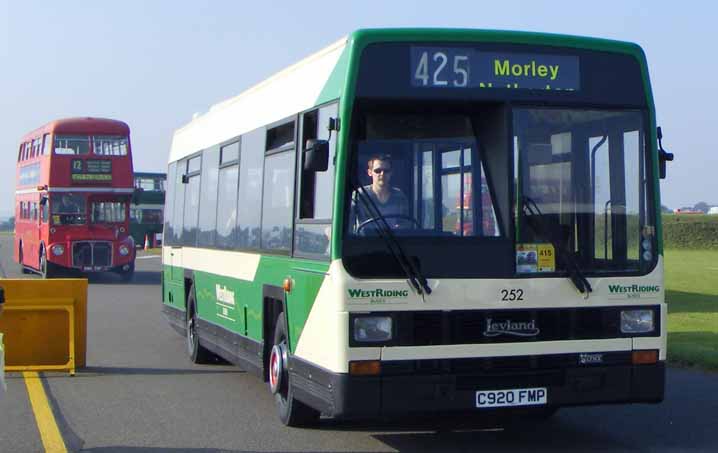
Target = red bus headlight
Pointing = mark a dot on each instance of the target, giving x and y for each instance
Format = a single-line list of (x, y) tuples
[(124, 251), (58, 249)]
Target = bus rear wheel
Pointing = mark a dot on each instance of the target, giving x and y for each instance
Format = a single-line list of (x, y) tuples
[(292, 412)]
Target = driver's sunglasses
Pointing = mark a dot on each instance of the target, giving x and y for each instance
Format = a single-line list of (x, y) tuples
[(381, 170)]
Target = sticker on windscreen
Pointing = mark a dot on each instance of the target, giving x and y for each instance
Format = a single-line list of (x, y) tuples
[(533, 258)]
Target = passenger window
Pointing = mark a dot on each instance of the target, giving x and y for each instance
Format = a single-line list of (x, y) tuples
[(227, 206), (208, 197), (250, 189), (191, 211), (278, 201), (46, 144)]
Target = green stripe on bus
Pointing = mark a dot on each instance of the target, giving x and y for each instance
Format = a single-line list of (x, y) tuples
[(237, 305)]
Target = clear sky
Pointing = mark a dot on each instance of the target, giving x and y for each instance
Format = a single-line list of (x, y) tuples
[(153, 64)]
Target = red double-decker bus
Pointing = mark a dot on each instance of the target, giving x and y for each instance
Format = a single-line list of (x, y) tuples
[(74, 186)]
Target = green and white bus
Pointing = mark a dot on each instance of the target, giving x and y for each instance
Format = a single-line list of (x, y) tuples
[(427, 220), (147, 207)]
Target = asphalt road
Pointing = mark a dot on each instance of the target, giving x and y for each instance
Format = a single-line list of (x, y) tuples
[(140, 393)]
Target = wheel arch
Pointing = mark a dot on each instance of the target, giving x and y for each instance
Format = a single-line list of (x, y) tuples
[(274, 303), (188, 287)]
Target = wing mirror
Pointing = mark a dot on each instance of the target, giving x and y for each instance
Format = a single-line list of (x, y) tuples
[(316, 155), (663, 155)]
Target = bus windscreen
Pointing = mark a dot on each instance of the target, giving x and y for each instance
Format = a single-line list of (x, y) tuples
[(68, 209)]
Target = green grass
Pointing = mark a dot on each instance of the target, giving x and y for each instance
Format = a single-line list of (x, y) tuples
[(692, 297)]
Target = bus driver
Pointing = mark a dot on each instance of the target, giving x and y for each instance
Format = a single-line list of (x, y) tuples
[(68, 206), (390, 201)]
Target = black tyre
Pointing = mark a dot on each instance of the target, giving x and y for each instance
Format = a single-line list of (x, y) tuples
[(21, 266), (47, 269), (127, 275), (291, 411), (197, 353)]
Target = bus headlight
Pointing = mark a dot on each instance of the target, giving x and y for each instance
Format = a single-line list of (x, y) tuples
[(124, 251), (372, 328), (58, 249), (636, 321)]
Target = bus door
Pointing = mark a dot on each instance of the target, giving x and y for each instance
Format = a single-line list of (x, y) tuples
[(313, 222), (618, 193), (174, 277)]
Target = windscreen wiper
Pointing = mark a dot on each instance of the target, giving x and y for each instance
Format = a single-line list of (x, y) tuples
[(536, 221), (413, 274)]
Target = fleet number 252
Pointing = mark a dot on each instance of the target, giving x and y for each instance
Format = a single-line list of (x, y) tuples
[(512, 294)]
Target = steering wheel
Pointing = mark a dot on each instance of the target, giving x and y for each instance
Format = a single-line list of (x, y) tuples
[(388, 216)]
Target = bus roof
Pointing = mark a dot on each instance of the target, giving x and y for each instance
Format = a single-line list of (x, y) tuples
[(370, 35), (270, 100), (81, 125), (304, 84)]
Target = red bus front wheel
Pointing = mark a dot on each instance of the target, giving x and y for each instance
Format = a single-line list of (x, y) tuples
[(22, 268), (46, 268), (126, 275)]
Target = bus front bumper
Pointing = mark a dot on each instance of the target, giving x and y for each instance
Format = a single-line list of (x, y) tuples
[(342, 395)]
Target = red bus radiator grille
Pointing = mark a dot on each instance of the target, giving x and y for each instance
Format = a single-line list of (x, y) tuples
[(91, 254)]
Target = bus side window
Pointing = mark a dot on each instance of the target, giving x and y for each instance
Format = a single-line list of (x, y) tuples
[(278, 190), (46, 144), (317, 188), (44, 209)]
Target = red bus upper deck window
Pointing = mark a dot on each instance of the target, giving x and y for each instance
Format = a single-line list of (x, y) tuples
[(105, 145), (72, 144), (46, 144)]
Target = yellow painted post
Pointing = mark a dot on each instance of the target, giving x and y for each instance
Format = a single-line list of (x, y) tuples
[(45, 324)]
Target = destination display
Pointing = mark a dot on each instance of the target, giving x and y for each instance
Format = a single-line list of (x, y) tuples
[(463, 67), (91, 170)]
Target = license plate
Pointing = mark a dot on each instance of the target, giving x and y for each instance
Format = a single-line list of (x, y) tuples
[(511, 397)]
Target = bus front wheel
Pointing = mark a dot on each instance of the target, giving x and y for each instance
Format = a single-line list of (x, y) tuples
[(197, 353), (46, 267), (22, 268), (292, 412), (126, 275)]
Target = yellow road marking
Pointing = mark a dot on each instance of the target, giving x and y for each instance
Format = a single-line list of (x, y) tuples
[(46, 424)]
